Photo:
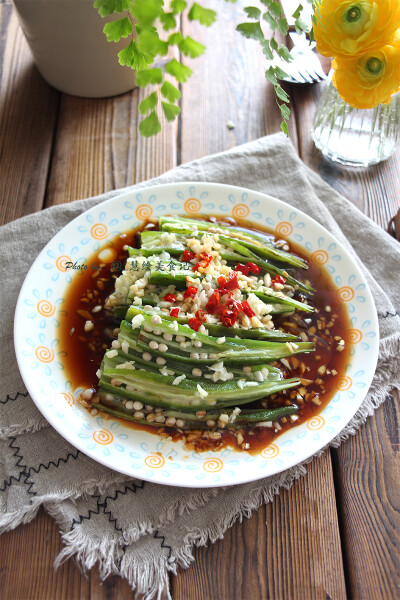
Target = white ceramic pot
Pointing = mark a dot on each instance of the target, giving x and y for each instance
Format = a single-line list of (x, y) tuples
[(70, 49)]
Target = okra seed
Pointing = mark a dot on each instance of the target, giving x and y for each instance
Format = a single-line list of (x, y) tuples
[(137, 405), (163, 347), (147, 356), (153, 345), (160, 360), (197, 372), (138, 414), (167, 337)]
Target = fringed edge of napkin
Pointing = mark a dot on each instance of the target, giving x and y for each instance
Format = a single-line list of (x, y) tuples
[(27, 426), (11, 520), (148, 577)]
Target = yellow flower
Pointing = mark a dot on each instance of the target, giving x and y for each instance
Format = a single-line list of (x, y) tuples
[(370, 79), (354, 27)]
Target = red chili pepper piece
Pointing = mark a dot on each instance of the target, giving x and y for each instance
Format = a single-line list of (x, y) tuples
[(236, 307), (228, 318), (221, 282), (207, 258), (254, 269), (194, 323), (174, 312), (213, 302), (190, 292), (188, 256), (242, 268), (169, 298), (201, 315), (204, 261), (278, 279), (232, 283), (248, 311), (229, 303)]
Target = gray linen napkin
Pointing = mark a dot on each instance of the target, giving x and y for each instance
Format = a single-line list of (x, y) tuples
[(142, 530)]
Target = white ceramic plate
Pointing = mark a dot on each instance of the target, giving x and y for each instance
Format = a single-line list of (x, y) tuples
[(148, 456)]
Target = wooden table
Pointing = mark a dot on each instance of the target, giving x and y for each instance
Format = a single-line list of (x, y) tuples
[(335, 533)]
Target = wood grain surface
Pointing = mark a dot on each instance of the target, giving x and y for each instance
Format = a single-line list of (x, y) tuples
[(335, 532), (28, 116)]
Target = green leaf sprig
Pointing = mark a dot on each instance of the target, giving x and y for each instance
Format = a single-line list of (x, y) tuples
[(271, 12), (146, 42)]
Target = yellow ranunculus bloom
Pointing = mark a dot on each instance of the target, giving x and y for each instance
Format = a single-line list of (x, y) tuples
[(370, 79), (354, 27)]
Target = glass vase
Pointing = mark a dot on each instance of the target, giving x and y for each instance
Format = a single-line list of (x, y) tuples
[(352, 136)]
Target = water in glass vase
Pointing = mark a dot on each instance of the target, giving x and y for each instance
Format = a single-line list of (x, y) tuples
[(352, 136)]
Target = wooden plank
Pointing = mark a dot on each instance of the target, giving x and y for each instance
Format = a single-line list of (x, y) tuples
[(227, 85), (368, 475), (110, 588), (27, 555), (305, 539), (98, 148), (367, 465), (28, 111), (287, 549)]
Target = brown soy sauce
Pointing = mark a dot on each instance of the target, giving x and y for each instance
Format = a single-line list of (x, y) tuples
[(91, 286)]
